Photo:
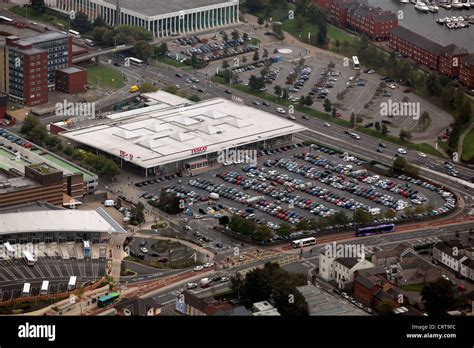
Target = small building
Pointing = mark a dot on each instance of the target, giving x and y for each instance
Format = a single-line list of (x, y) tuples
[(71, 80), (138, 307)]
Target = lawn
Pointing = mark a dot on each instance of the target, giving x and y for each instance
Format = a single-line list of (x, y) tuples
[(50, 16), (169, 61), (468, 147), (101, 76)]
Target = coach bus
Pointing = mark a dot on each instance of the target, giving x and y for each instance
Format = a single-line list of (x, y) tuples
[(87, 248), (26, 289), (303, 242), (108, 299), (75, 34), (72, 283), (28, 257), (135, 61), (371, 230), (44, 287), (355, 63)]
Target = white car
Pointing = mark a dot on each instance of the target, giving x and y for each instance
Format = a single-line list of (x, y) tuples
[(421, 154), (198, 268), (144, 250), (224, 279), (402, 151), (208, 264), (191, 286), (326, 124), (392, 86), (281, 111), (228, 163)]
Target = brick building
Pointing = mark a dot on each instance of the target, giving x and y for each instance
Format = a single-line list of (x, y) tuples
[(416, 47), (466, 71), (338, 11), (71, 80), (450, 60), (372, 21)]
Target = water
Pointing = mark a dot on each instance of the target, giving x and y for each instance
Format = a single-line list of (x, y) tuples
[(425, 23)]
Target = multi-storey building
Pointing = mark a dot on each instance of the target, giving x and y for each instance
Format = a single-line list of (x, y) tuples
[(162, 18), (466, 71), (29, 65), (450, 60), (372, 21)]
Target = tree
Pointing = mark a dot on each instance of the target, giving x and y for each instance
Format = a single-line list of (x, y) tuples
[(260, 21), (245, 36), (404, 135), (327, 105), (99, 22), (302, 100), (262, 233), (169, 203), (284, 230), (147, 87), (334, 112), (139, 215), (278, 30), (362, 217), (340, 218), (390, 214), (225, 64), (38, 6), (432, 84), (265, 53), (161, 49), (244, 59), (193, 60), (29, 123), (194, 98), (308, 100), (68, 150), (225, 36), (143, 50), (98, 34), (256, 83), (256, 56), (438, 297), (352, 120), (384, 130), (377, 126), (235, 35), (38, 134), (277, 90), (81, 22), (321, 38), (337, 44), (464, 112)]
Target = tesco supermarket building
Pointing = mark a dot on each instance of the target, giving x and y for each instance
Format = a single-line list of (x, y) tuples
[(180, 136)]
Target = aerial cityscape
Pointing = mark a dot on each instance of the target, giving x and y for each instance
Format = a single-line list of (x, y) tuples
[(236, 158)]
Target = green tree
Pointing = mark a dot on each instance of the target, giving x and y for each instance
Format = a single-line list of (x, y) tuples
[(377, 126), (235, 35), (284, 229), (38, 134), (352, 120), (225, 64), (262, 233), (385, 307), (302, 100), (277, 90), (68, 150), (278, 30), (143, 50), (404, 135), (139, 214), (225, 36), (99, 22), (384, 130), (256, 56), (194, 98), (256, 83), (81, 22), (327, 105), (98, 34), (363, 217), (38, 6), (265, 53), (432, 84), (260, 20), (321, 37), (169, 203), (193, 60), (308, 100), (438, 297), (464, 112), (390, 214), (161, 49), (29, 123), (147, 87)]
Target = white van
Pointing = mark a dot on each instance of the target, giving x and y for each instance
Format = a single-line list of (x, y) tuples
[(109, 203)]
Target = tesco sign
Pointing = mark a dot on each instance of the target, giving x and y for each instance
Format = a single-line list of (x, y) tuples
[(199, 149)]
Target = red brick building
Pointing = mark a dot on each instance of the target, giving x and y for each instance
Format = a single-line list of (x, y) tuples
[(71, 80), (466, 71), (372, 21), (416, 47), (371, 288), (450, 60)]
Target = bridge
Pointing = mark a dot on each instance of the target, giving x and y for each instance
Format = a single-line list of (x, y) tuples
[(100, 52)]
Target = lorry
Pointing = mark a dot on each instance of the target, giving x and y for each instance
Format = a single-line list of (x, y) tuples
[(255, 199)]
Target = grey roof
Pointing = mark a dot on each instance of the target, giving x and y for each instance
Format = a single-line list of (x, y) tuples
[(383, 296), (469, 60), (138, 306), (376, 13), (469, 263), (38, 39), (348, 262), (453, 50), (364, 281), (417, 40), (72, 69), (160, 7)]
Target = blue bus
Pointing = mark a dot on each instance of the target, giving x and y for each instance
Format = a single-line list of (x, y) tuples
[(371, 230), (108, 299), (87, 248)]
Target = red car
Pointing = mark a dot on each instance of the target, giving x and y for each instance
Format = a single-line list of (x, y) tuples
[(408, 90)]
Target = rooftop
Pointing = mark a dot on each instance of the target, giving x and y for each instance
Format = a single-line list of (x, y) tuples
[(44, 168), (417, 40), (72, 69), (160, 7), (41, 38), (154, 137), (65, 220)]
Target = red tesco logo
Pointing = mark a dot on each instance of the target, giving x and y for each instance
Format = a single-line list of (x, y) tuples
[(199, 149)]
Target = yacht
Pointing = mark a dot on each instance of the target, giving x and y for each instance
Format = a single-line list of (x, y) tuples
[(441, 20), (422, 7), (457, 5), (405, 1), (466, 5), (445, 6), (433, 8)]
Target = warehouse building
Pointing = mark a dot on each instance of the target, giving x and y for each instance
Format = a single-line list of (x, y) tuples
[(186, 138), (162, 18)]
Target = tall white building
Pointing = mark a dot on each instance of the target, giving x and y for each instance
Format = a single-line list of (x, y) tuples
[(162, 17)]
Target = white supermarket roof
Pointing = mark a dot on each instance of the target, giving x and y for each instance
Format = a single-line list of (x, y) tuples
[(150, 137), (59, 220)]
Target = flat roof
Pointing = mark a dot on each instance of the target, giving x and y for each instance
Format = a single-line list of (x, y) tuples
[(72, 69), (64, 220), (179, 133), (166, 98), (156, 8), (41, 38)]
